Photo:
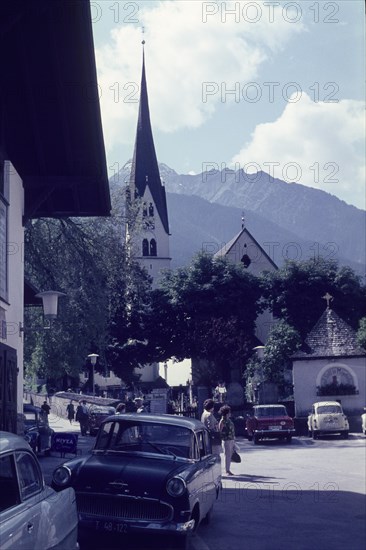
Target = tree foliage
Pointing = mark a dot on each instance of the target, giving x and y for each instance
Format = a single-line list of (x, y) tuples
[(215, 304), (294, 293), (283, 341), (361, 333)]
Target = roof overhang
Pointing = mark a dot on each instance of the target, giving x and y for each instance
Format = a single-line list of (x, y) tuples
[(50, 118)]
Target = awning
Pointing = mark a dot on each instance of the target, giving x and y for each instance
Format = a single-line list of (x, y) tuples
[(50, 119)]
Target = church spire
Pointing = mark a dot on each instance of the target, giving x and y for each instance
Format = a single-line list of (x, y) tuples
[(145, 170)]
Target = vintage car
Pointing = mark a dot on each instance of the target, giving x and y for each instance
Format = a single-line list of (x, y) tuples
[(36, 429), (32, 515), (146, 474), (327, 417), (269, 422), (98, 413)]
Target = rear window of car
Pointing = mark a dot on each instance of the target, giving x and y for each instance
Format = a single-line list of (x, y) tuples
[(270, 411), (326, 409)]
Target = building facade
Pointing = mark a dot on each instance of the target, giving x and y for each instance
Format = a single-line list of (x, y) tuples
[(330, 367)]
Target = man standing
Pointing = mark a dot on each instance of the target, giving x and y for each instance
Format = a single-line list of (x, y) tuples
[(45, 411), (82, 417)]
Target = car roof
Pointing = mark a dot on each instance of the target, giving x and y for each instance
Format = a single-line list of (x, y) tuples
[(326, 403), (12, 442), (31, 408), (268, 406), (169, 419)]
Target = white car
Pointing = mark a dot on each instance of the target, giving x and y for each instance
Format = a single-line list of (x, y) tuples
[(32, 515), (327, 417)]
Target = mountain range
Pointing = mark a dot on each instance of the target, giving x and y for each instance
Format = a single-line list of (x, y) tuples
[(289, 220)]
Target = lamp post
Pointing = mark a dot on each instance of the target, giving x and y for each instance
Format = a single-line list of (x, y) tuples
[(260, 355), (50, 305), (93, 359)]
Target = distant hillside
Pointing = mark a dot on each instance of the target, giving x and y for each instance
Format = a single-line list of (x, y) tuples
[(288, 220)]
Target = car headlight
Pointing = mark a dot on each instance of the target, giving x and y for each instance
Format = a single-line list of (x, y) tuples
[(176, 486), (61, 476)]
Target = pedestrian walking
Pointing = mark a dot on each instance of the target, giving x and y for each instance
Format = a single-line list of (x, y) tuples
[(209, 420), (45, 411), (82, 417), (227, 429), (70, 409)]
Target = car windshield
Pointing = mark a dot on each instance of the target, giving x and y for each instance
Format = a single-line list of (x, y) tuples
[(270, 411), (326, 409), (147, 437)]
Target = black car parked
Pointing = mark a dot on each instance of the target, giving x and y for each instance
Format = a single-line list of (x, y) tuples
[(146, 474), (37, 432)]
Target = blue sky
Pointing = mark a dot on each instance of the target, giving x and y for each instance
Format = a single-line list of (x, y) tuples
[(276, 86)]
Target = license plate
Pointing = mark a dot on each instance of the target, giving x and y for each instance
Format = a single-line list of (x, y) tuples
[(111, 526), (275, 428)]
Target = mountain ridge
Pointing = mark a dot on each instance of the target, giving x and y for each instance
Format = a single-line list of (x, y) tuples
[(275, 211)]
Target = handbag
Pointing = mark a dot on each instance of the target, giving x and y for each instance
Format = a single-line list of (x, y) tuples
[(235, 457)]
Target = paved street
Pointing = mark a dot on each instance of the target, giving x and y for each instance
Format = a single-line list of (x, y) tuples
[(303, 496)]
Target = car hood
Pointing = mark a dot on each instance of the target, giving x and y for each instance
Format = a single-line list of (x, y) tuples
[(129, 474)]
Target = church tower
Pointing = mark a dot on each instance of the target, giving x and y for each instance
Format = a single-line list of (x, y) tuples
[(147, 234)]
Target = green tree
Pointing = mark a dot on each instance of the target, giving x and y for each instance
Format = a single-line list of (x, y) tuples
[(215, 304), (294, 293), (283, 341), (361, 333)]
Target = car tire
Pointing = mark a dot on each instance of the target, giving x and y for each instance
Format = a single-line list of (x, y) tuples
[(255, 439), (289, 438), (344, 434), (314, 434)]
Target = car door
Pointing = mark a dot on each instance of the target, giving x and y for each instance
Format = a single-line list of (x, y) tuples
[(21, 515)]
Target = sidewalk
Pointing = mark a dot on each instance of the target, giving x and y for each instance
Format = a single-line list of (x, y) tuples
[(85, 443)]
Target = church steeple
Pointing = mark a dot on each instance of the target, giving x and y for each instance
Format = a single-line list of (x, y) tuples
[(145, 170)]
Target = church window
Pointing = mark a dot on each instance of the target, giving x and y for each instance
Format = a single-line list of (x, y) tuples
[(153, 251), (145, 247), (151, 209), (246, 261), (144, 210)]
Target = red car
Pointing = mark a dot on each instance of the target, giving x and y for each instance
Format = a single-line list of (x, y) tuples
[(269, 422)]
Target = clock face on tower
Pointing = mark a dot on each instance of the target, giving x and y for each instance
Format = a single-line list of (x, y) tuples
[(336, 375)]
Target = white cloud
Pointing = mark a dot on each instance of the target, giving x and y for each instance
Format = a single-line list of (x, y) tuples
[(319, 144), (182, 52)]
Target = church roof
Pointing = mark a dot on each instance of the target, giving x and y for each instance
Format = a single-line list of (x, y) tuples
[(330, 337), (225, 250), (145, 170)]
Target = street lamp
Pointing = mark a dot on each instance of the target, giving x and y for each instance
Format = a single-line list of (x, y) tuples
[(50, 304), (93, 359), (260, 355)]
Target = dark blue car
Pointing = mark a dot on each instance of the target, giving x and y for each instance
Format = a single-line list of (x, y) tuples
[(146, 474)]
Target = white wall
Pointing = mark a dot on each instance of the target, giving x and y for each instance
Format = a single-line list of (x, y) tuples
[(306, 379), (13, 307)]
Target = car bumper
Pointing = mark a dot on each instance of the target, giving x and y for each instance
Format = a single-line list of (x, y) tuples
[(274, 433), (104, 525)]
